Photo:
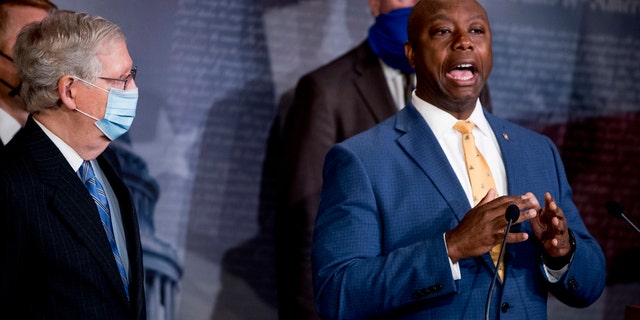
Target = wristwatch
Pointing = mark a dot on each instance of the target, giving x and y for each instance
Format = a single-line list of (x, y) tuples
[(557, 263)]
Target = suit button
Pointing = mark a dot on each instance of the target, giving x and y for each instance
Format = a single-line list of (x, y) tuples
[(505, 307), (420, 293), (427, 291), (573, 283)]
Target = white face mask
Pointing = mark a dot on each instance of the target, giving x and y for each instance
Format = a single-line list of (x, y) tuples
[(120, 112)]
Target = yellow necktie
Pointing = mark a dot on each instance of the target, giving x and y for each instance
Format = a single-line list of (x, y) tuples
[(479, 175)]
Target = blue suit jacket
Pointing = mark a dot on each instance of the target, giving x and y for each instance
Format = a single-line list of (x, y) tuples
[(389, 194), (56, 260)]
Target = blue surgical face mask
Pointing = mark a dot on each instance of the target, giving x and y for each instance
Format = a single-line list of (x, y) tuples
[(120, 112), (387, 37)]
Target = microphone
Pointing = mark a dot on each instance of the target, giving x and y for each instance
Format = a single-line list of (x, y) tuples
[(615, 209), (511, 214)]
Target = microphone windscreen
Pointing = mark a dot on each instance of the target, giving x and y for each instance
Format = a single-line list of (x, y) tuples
[(615, 209), (512, 214)]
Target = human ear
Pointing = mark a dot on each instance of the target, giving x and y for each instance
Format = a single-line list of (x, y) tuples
[(67, 91), (408, 51)]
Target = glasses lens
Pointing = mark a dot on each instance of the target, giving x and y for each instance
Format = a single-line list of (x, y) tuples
[(131, 76)]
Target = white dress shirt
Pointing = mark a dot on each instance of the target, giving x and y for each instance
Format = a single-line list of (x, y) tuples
[(441, 123), (75, 161), (9, 126), (395, 82)]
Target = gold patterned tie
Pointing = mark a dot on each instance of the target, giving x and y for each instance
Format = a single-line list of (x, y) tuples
[(479, 175)]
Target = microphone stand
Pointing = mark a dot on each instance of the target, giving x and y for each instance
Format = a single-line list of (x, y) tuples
[(615, 209), (512, 214), (631, 223)]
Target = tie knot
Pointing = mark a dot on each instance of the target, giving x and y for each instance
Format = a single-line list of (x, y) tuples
[(464, 127), (86, 171)]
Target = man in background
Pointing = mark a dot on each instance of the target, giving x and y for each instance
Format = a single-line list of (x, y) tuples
[(14, 14), (69, 235)]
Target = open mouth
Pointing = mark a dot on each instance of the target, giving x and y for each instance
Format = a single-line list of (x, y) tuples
[(462, 72)]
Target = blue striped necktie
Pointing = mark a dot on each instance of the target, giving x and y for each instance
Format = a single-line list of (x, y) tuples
[(99, 197)]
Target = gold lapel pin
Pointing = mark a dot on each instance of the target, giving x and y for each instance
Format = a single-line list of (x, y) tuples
[(505, 136)]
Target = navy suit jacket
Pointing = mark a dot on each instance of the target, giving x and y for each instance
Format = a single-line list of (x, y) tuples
[(332, 103), (389, 194), (56, 259)]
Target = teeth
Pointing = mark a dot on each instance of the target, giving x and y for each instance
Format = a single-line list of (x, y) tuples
[(463, 78), (462, 72)]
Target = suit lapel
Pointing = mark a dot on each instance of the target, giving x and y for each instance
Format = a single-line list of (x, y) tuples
[(420, 144), (510, 148), (372, 85), (71, 200)]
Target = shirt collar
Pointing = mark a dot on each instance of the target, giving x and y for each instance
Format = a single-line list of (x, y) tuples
[(442, 122), (8, 126), (388, 71), (74, 159)]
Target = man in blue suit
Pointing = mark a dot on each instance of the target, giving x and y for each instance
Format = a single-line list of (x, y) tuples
[(398, 232)]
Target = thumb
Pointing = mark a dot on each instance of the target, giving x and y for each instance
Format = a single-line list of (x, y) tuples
[(491, 194)]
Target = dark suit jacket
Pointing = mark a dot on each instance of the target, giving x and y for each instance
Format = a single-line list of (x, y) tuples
[(56, 259), (390, 194), (334, 102)]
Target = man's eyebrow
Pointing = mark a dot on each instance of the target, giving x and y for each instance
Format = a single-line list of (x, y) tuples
[(444, 17)]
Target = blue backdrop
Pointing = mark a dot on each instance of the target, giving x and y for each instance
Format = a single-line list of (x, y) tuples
[(212, 74)]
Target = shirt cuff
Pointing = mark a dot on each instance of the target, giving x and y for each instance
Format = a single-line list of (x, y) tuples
[(555, 268), (455, 268)]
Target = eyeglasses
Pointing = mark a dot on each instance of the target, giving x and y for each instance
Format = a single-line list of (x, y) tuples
[(6, 56), (132, 75)]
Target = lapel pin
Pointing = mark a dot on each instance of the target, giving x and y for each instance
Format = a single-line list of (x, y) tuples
[(505, 136)]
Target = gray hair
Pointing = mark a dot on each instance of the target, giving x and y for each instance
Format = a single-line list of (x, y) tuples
[(63, 43)]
